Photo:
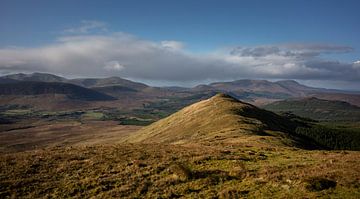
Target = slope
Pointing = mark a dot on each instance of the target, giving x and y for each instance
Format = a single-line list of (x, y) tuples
[(39, 88), (38, 77), (219, 117), (318, 109), (110, 81)]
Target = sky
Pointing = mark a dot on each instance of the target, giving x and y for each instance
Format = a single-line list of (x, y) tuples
[(185, 42)]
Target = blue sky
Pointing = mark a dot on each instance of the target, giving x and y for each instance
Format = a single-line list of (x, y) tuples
[(205, 29)]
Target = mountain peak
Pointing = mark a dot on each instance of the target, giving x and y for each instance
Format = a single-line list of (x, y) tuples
[(219, 116), (223, 96)]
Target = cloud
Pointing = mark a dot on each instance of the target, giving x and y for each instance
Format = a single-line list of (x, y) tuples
[(172, 45), (87, 26), (128, 56), (114, 65), (291, 50)]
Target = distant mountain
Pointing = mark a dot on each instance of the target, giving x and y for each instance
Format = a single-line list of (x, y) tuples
[(318, 109), (84, 82), (110, 81), (257, 92), (279, 89), (39, 88), (38, 77), (4, 80), (220, 117), (353, 98)]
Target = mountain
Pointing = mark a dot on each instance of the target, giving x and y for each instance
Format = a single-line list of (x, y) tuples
[(4, 80), (282, 89), (257, 92), (84, 82), (38, 88), (219, 117), (110, 81), (318, 109), (38, 77)]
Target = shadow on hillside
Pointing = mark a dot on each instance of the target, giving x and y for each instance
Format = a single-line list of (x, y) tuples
[(275, 122)]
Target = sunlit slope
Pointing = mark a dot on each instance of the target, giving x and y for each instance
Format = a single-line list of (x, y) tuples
[(218, 117)]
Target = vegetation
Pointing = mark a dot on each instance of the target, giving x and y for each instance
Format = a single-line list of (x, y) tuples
[(179, 171), (331, 138), (216, 148), (318, 109), (319, 184), (220, 117), (134, 121)]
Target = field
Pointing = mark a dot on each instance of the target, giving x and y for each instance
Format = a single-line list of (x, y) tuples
[(215, 170)]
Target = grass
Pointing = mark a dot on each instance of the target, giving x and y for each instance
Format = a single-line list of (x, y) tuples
[(188, 171), (135, 121), (93, 115), (220, 117), (220, 148)]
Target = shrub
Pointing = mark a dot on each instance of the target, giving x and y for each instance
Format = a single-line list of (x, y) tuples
[(319, 184), (181, 171)]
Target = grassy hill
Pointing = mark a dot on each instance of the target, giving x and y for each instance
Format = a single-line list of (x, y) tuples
[(220, 117), (318, 109)]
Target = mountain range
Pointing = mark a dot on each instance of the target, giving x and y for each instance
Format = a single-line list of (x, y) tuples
[(257, 92)]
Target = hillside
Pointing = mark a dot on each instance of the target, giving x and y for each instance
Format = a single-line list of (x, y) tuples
[(38, 77), (40, 88), (285, 88), (84, 82), (318, 109), (110, 81), (219, 117)]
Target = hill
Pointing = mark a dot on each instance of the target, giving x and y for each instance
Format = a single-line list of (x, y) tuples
[(110, 81), (84, 82), (38, 77), (219, 117), (284, 88), (318, 109), (40, 88)]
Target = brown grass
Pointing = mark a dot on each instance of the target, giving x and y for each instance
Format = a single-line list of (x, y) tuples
[(168, 171), (30, 135)]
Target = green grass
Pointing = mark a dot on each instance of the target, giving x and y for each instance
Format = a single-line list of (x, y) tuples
[(134, 121), (93, 115)]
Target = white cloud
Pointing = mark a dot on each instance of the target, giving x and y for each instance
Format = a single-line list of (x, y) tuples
[(87, 26), (114, 65), (128, 56), (172, 45)]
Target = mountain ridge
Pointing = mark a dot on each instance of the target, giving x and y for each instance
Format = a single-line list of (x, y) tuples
[(318, 109), (39, 88), (221, 117)]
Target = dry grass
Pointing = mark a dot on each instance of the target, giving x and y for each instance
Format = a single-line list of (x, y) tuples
[(218, 117), (169, 171), (215, 152), (28, 135)]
